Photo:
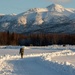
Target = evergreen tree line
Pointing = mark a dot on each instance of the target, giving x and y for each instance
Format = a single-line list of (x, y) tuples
[(50, 39), (7, 38)]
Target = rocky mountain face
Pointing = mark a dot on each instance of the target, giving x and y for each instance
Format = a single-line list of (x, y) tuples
[(52, 19)]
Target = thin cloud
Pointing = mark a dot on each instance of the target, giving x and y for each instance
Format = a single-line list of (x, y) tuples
[(59, 1)]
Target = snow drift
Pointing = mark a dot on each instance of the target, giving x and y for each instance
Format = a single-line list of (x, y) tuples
[(34, 64)]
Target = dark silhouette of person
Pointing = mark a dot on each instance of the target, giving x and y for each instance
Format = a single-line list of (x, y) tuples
[(21, 52)]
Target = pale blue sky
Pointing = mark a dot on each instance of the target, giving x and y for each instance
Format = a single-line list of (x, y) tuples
[(19, 6)]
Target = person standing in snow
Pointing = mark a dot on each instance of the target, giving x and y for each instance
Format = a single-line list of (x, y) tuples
[(21, 52)]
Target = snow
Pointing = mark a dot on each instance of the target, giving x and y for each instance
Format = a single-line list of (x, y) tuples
[(38, 20), (38, 10), (6, 18), (53, 11), (56, 7), (44, 60), (22, 20), (30, 20)]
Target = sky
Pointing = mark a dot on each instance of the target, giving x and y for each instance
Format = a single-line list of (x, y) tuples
[(19, 6)]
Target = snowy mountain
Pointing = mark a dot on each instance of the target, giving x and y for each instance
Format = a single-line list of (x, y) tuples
[(52, 19)]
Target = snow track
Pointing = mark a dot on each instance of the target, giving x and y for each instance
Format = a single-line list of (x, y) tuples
[(35, 64), (26, 66)]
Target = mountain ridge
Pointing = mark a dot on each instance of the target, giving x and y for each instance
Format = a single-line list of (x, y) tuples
[(55, 18)]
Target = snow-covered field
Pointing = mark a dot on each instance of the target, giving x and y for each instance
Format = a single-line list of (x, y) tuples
[(48, 60)]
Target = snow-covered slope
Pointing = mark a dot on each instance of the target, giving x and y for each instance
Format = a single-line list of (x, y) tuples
[(54, 18)]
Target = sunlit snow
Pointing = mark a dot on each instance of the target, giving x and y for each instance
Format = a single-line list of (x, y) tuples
[(47, 60)]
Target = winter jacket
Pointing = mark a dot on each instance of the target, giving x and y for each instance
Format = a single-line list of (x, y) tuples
[(21, 51)]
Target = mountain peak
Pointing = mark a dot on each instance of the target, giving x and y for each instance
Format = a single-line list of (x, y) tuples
[(55, 7), (37, 10)]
